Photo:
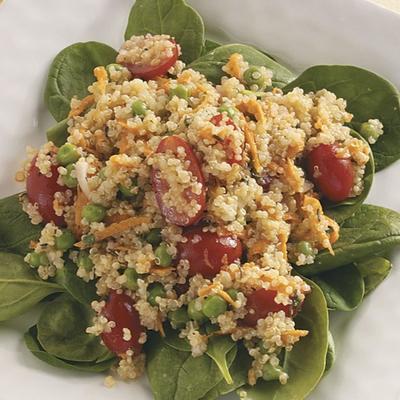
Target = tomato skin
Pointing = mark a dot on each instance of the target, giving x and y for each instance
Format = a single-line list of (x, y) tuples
[(262, 301), (207, 252), (230, 154), (120, 309), (334, 177), (41, 189), (160, 185), (148, 72)]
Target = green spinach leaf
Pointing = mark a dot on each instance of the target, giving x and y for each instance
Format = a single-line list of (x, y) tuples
[(209, 45), (370, 231), (172, 17), (345, 209), (368, 96), (305, 364), (16, 229), (330, 354), (374, 271), (71, 73), (83, 292), (211, 64), (218, 348), (61, 331), (343, 288), (37, 350), (173, 340), (20, 287), (58, 134)]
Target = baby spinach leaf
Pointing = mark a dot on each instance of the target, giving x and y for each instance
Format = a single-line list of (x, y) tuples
[(345, 209), (217, 348), (343, 287), (172, 17), (330, 354), (61, 331), (374, 271), (20, 287), (305, 364), (368, 96), (58, 134), (37, 350), (370, 231), (71, 73), (209, 45), (16, 229), (83, 292), (173, 340), (211, 64)]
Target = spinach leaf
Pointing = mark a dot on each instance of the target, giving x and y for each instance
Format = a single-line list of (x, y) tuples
[(211, 64), (209, 45), (330, 354), (83, 292), (218, 348), (36, 349), (58, 134), (305, 364), (16, 230), (61, 331), (173, 340), (370, 231), (20, 287), (71, 73), (368, 96), (172, 17), (343, 287), (345, 209), (374, 271)]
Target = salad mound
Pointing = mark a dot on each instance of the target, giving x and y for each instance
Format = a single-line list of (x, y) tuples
[(196, 211)]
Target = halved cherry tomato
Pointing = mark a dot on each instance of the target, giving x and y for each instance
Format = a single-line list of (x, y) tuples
[(207, 252), (230, 154), (147, 72), (261, 302), (41, 190), (120, 309), (160, 185), (333, 176)]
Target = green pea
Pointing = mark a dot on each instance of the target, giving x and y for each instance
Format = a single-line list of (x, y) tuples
[(195, 312), (163, 258), (227, 109), (305, 248), (116, 67), (67, 154), (179, 317), (153, 236), (84, 261), (271, 373), (131, 279), (155, 290), (65, 241), (254, 77), (233, 294), (211, 328), (138, 108), (89, 240), (93, 212), (370, 132), (69, 180), (214, 306), (44, 260), (34, 259), (179, 91)]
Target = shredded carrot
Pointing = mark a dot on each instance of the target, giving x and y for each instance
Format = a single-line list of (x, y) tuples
[(293, 335), (81, 201), (206, 290), (206, 133), (131, 129), (233, 65), (120, 227), (111, 219), (258, 247), (163, 83), (283, 237), (84, 104), (32, 244), (249, 137), (292, 176), (253, 107), (102, 78), (227, 298)]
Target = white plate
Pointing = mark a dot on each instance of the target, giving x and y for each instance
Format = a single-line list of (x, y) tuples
[(300, 34)]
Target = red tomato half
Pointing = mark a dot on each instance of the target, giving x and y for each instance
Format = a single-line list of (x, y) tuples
[(120, 309), (160, 185), (41, 190), (334, 177), (230, 154), (207, 252), (147, 72), (262, 302)]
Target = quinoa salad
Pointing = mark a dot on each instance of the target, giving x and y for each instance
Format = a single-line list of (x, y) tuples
[(195, 217)]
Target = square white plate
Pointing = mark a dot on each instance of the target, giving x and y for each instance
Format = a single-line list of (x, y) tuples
[(298, 33)]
